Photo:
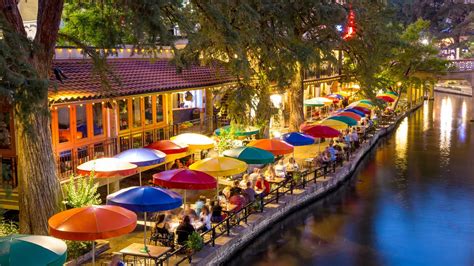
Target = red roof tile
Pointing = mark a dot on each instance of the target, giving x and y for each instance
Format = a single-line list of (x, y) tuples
[(136, 76)]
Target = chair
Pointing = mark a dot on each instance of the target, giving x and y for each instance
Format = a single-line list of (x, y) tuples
[(162, 236)]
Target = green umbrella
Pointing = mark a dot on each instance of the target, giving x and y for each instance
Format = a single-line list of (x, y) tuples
[(251, 155), (239, 130), (392, 93), (32, 250), (345, 119), (367, 101), (313, 102)]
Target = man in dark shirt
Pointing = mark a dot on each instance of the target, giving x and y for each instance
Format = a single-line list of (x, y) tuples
[(235, 190), (184, 230)]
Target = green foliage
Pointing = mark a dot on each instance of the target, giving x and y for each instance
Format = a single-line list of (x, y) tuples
[(76, 249), (195, 242), (81, 192), (8, 228), (226, 139)]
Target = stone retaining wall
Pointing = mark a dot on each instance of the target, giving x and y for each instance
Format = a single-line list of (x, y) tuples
[(289, 203)]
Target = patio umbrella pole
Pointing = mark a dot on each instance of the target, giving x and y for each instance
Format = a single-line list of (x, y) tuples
[(140, 175), (185, 197), (145, 249), (93, 252)]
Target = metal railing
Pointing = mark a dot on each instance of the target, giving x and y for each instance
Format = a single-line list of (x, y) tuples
[(463, 65), (287, 187)]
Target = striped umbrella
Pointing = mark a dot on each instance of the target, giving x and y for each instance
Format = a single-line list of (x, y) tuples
[(351, 115), (349, 121)]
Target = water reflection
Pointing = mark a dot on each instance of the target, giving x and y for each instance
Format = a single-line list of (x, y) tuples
[(411, 202)]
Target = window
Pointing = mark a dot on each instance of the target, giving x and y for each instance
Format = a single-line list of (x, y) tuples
[(65, 162), (99, 150), (159, 109), (5, 131), (124, 143), (148, 110), (123, 114), (82, 155), (160, 134), (148, 137), (136, 112), (137, 141), (81, 122), (97, 119), (64, 124)]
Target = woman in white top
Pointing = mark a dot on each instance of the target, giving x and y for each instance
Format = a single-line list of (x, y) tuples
[(280, 169), (205, 218), (292, 166)]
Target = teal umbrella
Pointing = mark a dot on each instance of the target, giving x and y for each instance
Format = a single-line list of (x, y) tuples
[(345, 119), (32, 250), (313, 102), (392, 93), (251, 155), (367, 101), (239, 130)]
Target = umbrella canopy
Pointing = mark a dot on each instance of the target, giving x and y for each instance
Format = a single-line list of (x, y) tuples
[(107, 167), (351, 115), (92, 222), (335, 96), (313, 103), (238, 130), (297, 139), (345, 119), (194, 141), (142, 156), (367, 101), (336, 124), (392, 93), (361, 104), (32, 250), (219, 166), (275, 146), (185, 179), (386, 97), (251, 155), (320, 131), (355, 111), (145, 199), (168, 146), (362, 109)]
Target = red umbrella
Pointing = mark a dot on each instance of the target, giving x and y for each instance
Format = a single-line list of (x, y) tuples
[(168, 146), (185, 179), (275, 146), (351, 115), (362, 109), (386, 98), (319, 131), (92, 223)]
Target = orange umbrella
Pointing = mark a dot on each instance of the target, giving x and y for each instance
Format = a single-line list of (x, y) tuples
[(92, 223), (275, 146)]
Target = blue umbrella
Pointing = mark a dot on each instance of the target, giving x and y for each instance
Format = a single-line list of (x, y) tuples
[(32, 250), (145, 199), (142, 157), (297, 139), (355, 111)]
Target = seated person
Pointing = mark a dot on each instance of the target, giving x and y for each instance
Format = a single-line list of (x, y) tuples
[(280, 169), (292, 166), (249, 192), (270, 173), (238, 200), (263, 184), (245, 180), (216, 212), (253, 176), (226, 192), (199, 204), (235, 189), (205, 218), (188, 211), (184, 230)]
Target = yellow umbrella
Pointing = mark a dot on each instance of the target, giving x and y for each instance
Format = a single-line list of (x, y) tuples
[(219, 166), (194, 141), (338, 125)]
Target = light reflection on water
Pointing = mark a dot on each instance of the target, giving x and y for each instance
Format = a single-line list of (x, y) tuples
[(406, 206)]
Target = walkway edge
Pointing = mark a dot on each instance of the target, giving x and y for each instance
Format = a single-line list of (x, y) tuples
[(220, 254)]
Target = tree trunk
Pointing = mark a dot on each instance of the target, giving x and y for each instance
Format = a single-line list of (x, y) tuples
[(38, 183), (296, 100)]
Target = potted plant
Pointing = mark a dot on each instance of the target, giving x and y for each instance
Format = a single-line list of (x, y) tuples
[(194, 242)]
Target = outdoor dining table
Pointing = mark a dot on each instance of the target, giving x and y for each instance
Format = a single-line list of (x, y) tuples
[(229, 207), (276, 180), (135, 250), (195, 223)]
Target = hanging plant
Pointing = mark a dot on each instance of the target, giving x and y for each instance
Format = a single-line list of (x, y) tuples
[(188, 96)]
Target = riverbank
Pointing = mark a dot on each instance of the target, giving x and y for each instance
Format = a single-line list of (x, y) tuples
[(453, 91), (226, 246)]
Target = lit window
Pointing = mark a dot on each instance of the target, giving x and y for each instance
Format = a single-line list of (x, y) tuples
[(137, 114), (148, 110), (81, 122), (97, 118), (159, 109), (123, 114), (64, 124)]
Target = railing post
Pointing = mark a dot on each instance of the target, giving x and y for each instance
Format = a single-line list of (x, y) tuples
[(304, 180), (278, 194), (213, 236), (261, 202), (245, 213), (291, 186), (227, 223)]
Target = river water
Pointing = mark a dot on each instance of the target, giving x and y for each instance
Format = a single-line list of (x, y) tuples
[(411, 202)]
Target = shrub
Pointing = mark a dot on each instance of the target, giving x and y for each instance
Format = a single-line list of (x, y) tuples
[(81, 192), (195, 242)]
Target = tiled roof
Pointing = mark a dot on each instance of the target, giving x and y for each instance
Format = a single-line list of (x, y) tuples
[(136, 76)]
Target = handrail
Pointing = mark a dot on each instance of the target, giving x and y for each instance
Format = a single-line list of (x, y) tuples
[(284, 188)]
